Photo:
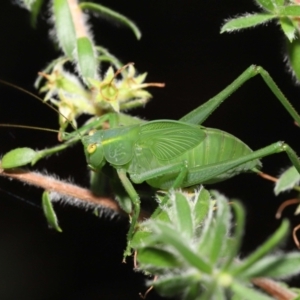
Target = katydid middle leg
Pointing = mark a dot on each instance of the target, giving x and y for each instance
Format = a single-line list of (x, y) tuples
[(200, 114), (182, 170)]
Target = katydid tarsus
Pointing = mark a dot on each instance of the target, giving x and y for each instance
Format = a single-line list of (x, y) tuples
[(177, 154)]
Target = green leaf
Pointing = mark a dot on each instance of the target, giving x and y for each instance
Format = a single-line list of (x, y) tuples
[(28, 3), (221, 228), (266, 4), (183, 215), (246, 22), (287, 180), (290, 11), (34, 6), (288, 28), (248, 293), (64, 27), (293, 52), (173, 285), (138, 238), (17, 158), (275, 266), (192, 292), (105, 55), (167, 235), (86, 58), (267, 246), (201, 206), (233, 245), (100, 9), (49, 212), (204, 245), (152, 257)]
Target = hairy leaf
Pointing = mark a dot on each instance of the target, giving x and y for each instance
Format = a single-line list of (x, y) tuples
[(266, 4), (64, 27), (249, 20), (183, 215), (293, 52), (86, 58), (49, 212), (97, 8), (288, 28), (17, 158), (287, 180), (157, 258)]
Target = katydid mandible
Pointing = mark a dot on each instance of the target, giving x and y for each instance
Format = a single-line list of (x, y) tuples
[(177, 154)]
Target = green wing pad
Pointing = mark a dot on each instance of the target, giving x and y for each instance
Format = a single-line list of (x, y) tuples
[(169, 139)]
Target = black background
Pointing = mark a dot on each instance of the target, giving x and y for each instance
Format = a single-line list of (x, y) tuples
[(182, 47)]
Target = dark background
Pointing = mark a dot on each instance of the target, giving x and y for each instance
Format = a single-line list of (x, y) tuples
[(182, 47)]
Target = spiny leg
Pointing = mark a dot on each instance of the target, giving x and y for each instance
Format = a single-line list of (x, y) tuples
[(200, 114), (209, 172)]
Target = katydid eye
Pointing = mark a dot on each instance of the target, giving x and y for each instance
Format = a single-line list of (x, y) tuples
[(91, 148)]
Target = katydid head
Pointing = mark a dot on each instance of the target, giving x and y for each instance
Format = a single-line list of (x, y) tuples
[(115, 145)]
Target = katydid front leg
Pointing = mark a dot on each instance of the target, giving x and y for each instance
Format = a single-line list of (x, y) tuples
[(136, 208), (200, 114)]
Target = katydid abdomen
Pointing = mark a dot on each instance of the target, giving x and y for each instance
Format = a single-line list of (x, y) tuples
[(218, 146)]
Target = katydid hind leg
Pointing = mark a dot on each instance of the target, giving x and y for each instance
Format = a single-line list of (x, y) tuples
[(201, 113), (207, 173)]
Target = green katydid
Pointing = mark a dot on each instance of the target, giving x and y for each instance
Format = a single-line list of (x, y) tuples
[(173, 154), (177, 154)]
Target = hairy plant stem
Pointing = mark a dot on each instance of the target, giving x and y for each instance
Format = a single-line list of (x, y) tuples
[(79, 19), (51, 184), (47, 182)]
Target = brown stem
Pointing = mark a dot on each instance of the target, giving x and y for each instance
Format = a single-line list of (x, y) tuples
[(267, 176), (295, 236), (285, 204), (55, 185), (274, 288), (79, 19), (51, 184)]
